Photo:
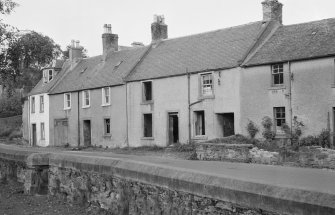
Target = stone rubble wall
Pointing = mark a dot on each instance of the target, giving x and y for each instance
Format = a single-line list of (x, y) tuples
[(311, 156), (224, 152), (123, 196)]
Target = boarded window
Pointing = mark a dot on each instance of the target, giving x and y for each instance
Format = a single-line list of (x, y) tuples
[(42, 131), (279, 114), (147, 91), (107, 126), (199, 122), (41, 104), (147, 125), (207, 84), (277, 74), (33, 104)]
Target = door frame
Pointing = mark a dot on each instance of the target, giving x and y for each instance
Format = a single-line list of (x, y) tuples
[(32, 134), (54, 129), (172, 112), (88, 119)]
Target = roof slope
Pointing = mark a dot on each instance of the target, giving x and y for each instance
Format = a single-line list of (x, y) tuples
[(45, 87), (297, 42), (98, 72), (223, 48)]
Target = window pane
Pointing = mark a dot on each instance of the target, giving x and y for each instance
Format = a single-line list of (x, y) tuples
[(207, 86)]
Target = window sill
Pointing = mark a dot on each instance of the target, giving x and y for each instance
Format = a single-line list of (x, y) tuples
[(200, 137), (279, 87), (67, 108), (202, 97), (107, 136), (105, 105), (147, 138), (41, 111), (84, 107), (147, 102)]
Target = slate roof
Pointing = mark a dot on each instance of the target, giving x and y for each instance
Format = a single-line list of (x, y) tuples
[(211, 50), (45, 87), (98, 72), (297, 42)]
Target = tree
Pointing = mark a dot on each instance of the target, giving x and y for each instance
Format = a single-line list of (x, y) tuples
[(7, 6), (28, 53)]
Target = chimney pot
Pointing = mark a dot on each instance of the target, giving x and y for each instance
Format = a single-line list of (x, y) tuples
[(109, 40), (159, 29), (272, 10), (75, 51)]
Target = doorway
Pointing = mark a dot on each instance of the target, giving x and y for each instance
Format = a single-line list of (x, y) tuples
[(87, 132), (173, 128), (34, 135), (226, 124), (61, 132)]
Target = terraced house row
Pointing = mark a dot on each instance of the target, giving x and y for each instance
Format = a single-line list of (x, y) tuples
[(195, 87)]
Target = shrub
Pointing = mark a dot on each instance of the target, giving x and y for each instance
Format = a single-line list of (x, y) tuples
[(252, 129), (324, 138), (268, 132), (235, 139), (309, 141)]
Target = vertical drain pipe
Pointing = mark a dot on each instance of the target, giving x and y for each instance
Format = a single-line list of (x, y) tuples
[(189, 104), (290, 96), (127, 140), (78, 122)]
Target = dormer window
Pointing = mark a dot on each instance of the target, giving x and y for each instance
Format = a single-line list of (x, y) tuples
[(48, 75)]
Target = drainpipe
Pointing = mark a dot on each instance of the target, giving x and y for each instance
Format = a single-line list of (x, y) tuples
[(290, 96), (189, 105), (127, 132), (29, 120), (78, 122)]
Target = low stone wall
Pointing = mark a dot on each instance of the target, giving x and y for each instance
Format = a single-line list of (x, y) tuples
[(224, 152), (124, 186), (312, 156), (317, 157)]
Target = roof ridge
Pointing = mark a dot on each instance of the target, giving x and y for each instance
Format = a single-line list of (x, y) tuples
[(256, 49), (212, 31), (304, 23)]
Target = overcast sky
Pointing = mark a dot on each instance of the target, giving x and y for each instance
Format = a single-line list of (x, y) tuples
[(63, 20)]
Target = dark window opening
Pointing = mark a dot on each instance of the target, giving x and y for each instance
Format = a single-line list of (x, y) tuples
[(147, 126), (147, 91), (107, 125), (199, 123)]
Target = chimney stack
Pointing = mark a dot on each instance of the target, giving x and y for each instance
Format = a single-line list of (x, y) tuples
[(75, 51), (272, 10), (159, 29), (109, 40)]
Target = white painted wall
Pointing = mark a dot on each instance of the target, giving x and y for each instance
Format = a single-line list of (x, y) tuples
[(38, 117)]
